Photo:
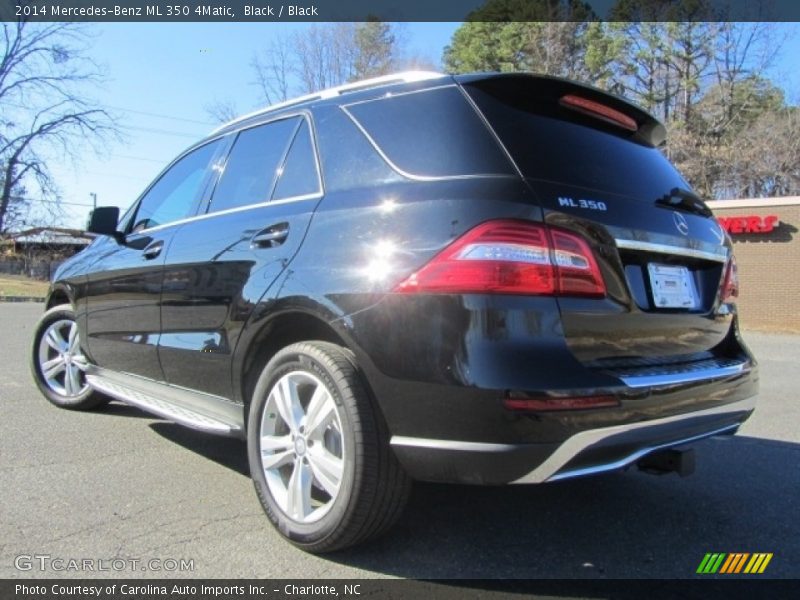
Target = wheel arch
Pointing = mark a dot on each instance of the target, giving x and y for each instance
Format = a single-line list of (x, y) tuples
[(282, 329), (57, 295)]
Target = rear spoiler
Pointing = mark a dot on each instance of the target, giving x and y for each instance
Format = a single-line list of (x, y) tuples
[(573, 96)]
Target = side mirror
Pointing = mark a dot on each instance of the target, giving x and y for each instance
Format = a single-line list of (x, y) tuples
[(103, 221)]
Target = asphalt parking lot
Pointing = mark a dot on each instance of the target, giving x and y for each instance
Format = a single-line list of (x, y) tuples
[(119, 483)]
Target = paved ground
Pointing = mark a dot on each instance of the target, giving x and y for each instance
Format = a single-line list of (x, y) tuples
[(118, 483)]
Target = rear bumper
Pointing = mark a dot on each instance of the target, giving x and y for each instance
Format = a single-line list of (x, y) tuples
[(586, 452), (442, 367), (610, 448)]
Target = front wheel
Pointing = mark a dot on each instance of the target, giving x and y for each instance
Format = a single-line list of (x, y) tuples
[(319, 452), (58, 364)]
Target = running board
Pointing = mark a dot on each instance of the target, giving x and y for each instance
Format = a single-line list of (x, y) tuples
[(204, 412)]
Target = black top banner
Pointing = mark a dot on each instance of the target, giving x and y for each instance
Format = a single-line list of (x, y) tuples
[(393, 10)]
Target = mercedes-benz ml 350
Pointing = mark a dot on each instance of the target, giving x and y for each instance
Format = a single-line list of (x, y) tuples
[(484, 279)]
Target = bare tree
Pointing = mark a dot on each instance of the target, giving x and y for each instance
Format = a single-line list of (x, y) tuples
[(762, 160), (325, 55), (222, 111), (690, 54), (273, 68), (44, 72), (742, 51)]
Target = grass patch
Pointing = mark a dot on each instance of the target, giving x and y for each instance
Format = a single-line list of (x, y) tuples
[(18, 285)]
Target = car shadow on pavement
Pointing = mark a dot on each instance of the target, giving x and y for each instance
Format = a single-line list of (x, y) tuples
[(226, 451), (619, 525)]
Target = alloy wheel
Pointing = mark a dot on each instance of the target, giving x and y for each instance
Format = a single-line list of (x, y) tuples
[(61, 361), (302, 446)]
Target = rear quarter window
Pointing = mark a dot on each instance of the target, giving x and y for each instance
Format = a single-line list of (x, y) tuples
[(349, 161), (298, 175), (431, 133)]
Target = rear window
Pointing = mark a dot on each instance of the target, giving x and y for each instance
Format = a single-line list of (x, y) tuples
[(551, 144), (431, 133)]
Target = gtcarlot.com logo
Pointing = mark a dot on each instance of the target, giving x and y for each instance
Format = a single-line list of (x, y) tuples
[(47, 562), (734, 562)]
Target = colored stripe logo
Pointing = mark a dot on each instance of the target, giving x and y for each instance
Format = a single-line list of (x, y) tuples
[(734, 562)]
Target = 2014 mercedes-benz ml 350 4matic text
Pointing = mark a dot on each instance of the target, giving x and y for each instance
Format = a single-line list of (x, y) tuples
[(482, 279)]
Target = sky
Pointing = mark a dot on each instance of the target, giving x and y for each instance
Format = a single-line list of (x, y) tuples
[(161, 76)]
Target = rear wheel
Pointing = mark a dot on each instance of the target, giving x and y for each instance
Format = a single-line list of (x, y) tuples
[(58, 363), (319, 452)]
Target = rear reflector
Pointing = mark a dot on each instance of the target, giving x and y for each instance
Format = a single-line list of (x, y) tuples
[(601, 111), (546, 403), (511, 257)]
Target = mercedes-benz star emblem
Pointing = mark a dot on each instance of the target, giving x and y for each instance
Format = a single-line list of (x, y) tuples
[(680, 223)]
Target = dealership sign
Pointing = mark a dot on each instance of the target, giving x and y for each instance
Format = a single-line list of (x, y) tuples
[(748, 224)]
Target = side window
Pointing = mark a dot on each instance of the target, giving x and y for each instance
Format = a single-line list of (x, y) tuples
[(177, 191), (299, 175), (253, 165)]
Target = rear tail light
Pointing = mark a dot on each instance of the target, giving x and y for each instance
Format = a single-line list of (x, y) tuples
[(730, 285), (511, 257)]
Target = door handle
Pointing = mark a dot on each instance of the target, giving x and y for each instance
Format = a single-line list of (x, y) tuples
[(272, 236), (153, 250)]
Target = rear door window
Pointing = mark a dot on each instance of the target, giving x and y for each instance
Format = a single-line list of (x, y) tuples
[(254, 165), (431, 133)]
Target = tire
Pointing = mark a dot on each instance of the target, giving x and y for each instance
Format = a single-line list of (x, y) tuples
[(58, 364), (324, 483)]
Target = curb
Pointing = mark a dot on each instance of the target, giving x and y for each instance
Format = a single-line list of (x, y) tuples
[(21, 299)]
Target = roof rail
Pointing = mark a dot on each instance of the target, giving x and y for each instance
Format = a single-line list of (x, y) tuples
[(356, 86)]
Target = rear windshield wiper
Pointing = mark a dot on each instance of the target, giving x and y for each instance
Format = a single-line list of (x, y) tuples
[(685, 200)]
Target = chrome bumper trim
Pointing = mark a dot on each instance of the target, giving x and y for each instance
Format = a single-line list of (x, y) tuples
[(549, 469), (414, 442), (634, 456), (627, 244), (661, 379)]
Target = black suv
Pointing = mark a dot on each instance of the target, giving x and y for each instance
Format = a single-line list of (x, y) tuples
[(482, 279)]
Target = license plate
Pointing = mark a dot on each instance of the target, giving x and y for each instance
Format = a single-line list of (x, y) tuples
[(673, 287)]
